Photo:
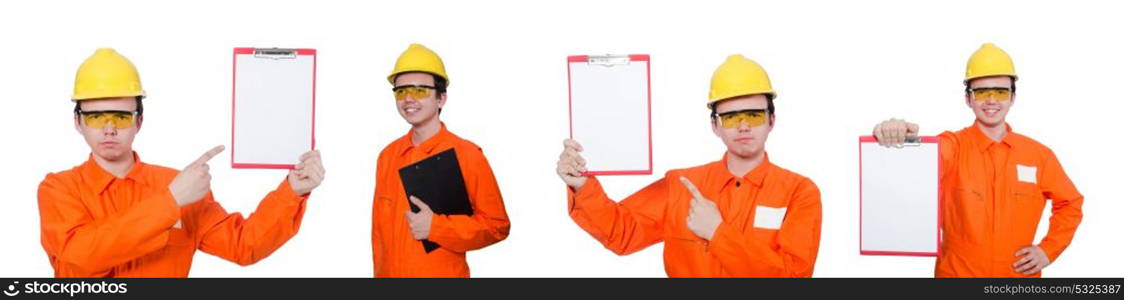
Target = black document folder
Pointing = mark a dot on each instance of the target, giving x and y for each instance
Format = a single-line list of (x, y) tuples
[(438, 182)]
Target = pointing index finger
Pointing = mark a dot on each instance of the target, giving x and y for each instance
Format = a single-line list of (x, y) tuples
[(691, 187), (210, 154)]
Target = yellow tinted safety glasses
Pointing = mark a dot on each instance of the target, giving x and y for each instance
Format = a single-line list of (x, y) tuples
[(999, 94), (119, 119), (751, 117), (417, 92)]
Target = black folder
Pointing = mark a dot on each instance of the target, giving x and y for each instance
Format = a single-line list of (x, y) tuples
[(438, 182)]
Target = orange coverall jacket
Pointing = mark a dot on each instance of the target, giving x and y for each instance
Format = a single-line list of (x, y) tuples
[(993, 195), (770, 221), (94, 224), (395, 251)]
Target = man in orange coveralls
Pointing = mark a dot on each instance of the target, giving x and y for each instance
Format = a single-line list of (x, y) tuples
[(115, 216), (420, 83), (740, 216), (995, 182)]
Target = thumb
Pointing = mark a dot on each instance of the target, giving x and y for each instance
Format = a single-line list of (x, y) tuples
[(421, 205)]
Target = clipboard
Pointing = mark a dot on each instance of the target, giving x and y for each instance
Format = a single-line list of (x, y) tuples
[(273, 107), (899, 198), (611, 112), (438, 182)]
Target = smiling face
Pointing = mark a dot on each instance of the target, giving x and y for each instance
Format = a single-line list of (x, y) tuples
[(990, 113), (744, 141), (419, 111), (109, 143)]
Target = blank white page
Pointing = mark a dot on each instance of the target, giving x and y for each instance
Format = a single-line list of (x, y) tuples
[(609, 116), (899, 198), (273, 110)]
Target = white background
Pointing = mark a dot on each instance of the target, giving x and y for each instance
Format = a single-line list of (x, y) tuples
[(839, 67)]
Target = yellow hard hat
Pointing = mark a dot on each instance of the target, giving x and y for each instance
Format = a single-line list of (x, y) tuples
[(989, 60), (739, 76), (106, 74), (418, 58)]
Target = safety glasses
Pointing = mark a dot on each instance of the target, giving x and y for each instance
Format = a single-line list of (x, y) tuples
[(417, 92), (118, 119), (999, 94), (751, 117)]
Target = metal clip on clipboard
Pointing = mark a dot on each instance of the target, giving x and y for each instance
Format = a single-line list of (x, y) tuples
[(609, 60), (911, 142), (275, 53)]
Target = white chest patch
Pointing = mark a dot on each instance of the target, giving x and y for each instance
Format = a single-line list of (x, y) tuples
[(769, 217), (1027, 173)]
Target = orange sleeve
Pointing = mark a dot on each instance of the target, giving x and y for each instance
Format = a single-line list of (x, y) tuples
[(949, 149), (487, 225), (798, 241), (625, 227), (246, 241), (1066, 206), (70, 235), (376, 240)]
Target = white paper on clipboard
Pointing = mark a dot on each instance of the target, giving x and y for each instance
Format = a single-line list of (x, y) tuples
[(273, 107), (610, 113), (899, 198)]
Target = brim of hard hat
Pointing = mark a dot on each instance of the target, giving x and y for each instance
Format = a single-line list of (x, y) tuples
[(770, 93), (105, 95), (391, 77), (1014, 77)]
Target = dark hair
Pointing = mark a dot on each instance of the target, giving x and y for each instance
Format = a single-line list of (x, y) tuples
[(770, 108), (140, 107), (440, 83)]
